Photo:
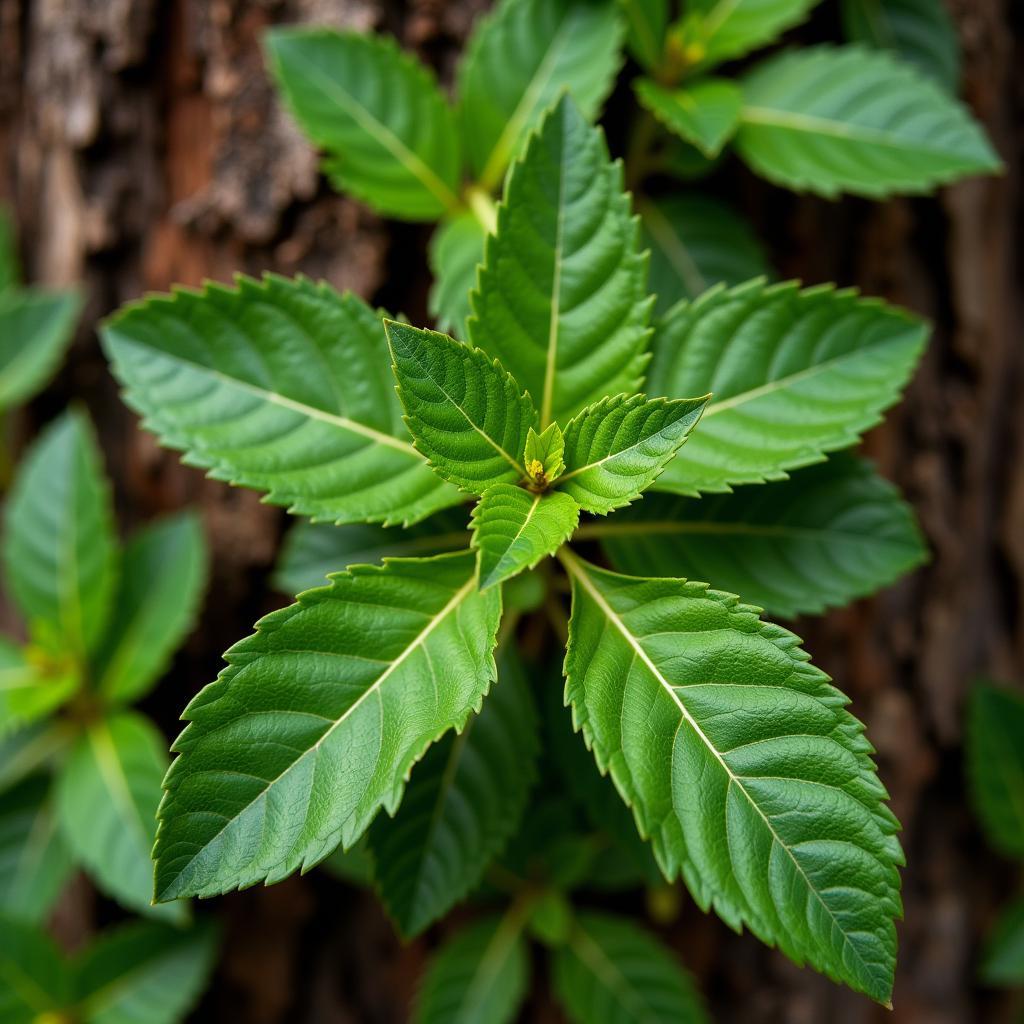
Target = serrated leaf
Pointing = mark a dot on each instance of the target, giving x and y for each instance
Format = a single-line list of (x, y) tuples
[(108, 790), (544, 454), (35, 981), (479, 977), (646, 23), (32, 684), (832, 533), (389, 134), (34, 860), (520, 58), (705, 113), (354, 865), (279, 385), (59, 546), (995, 764), (697, 242), (618, 447), (562, 298), (317, 720), (718, 30), (742, 765), (456, 250), (312, 551), (467, 416), (794, 375), (143, 973), (35, 329), (1003, 960), (920, 31), (463, 802), (513, 529), (846, 119), (611, 972), (163, 575)]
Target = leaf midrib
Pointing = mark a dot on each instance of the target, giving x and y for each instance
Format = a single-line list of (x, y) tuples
[(551, 359)]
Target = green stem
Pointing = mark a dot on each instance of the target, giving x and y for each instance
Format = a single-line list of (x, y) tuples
[(483, 207)]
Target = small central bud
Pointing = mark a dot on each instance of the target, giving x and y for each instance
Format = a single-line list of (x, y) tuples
[(537, 479)]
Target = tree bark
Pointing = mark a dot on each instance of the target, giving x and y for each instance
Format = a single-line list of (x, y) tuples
[(142, 145)]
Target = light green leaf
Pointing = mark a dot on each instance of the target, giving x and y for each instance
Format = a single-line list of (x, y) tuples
[(312, 551), (34, 860), (611, 972), (697, 242), (59, 547), (544, 454), (456, 250), (32, 684), (35, 329), (562, 297), (718, 30), (143, 973), (846, 119), (10, 270), (107, 795), (318, 719), (920, 31), (513, 529), (646, 23), (618, 447), (279, 385), (30, 749), (995, 764), (1003, 962), (467, 416), (705, 113), (742, 765), (794, 375), (163, 574), (832, 533), (479, 977), (520, 58), (464, 801), (388, 132), (35, 981)]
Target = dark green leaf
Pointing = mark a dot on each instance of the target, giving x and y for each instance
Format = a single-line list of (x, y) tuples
[(34, 978), (1003, 962), (646, 22), (456, 250)]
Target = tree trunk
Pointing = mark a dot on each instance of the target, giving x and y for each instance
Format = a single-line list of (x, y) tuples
[(143, 145)]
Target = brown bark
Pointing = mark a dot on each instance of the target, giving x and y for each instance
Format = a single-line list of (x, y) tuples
[(142, 145)]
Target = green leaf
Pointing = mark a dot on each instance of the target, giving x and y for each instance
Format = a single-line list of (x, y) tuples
[(562, 297), (163, 575), (35, 329), (107, 795), (718, 30), (742, 765), (318, 719), (464, 801), (706, 113), (32, 684), (618, 447), (995, 765), (479, 977), (520, 58), (30, 749), (833, 533), (646, 23), (312, 551), (1003, 962), (845, 119), (34, 978), (920, 31), (794, 375), (59, 547), (143, 973), (467, 416), (513, 529), (279, 385), (544, 454), (456, 250), (388, 132), (611, 972), (34, 860), (354, 866), (697, 242), (10, 270)]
